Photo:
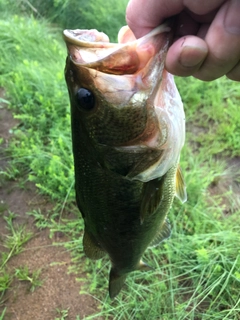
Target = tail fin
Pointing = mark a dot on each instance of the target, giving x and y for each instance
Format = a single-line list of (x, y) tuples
[(116, 282)]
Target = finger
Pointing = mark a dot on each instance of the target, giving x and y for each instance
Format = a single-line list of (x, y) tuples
[(202, 7), (234, 74), (142, 16), (186, 56), (223, 40), (185, 25)]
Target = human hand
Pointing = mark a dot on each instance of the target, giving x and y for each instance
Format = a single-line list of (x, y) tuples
[(207, 37)]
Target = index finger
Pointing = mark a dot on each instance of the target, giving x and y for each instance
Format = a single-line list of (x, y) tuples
[(142, 16)]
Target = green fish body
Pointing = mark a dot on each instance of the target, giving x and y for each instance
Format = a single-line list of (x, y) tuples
[(127, 130)]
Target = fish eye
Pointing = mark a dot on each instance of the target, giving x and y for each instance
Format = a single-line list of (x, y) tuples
[(85, 99)]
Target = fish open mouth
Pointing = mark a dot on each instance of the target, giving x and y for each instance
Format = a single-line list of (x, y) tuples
[(92, 49), (128, 77)]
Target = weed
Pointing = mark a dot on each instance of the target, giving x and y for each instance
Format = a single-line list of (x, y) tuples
[(17, 238), (23, 274), (3, 207), (3, 313), (63, 314), (5, 281), (13, 243), (41, 220)]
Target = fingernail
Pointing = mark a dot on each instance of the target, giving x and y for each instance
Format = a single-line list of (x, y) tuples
[(192, 56), (232, 18)]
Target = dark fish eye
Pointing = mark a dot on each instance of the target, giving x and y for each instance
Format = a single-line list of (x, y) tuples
[(85, 99)]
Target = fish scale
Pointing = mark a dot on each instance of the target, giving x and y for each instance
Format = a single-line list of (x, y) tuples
[(117, 127)]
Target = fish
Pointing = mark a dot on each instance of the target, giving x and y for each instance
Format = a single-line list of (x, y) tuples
[(128, 129)]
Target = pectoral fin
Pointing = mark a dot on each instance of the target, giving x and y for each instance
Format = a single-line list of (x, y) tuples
[(151, 197), (181, 192), (147, 160), (91, 248)]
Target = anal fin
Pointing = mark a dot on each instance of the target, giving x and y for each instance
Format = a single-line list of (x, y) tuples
[(143, 266), (91, 248), (163, 233)]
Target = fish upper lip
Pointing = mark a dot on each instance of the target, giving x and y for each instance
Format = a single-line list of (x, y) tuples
[(84, 39)]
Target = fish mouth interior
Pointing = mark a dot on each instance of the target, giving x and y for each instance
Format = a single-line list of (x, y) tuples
[(92, 49)]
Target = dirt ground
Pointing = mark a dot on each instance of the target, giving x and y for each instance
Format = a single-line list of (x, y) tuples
[(59, 289)]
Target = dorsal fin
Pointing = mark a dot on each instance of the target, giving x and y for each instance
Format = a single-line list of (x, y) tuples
[(181, 192)]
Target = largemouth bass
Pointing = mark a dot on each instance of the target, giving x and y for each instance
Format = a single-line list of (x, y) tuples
[(128, 128)]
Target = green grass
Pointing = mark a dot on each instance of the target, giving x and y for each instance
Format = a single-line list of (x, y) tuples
[(107, 16), (212, 111), (34, 83), (196, 272)]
